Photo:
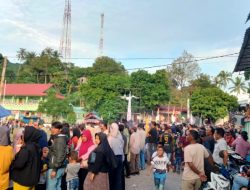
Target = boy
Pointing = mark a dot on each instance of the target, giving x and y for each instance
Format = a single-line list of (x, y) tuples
[(178, 157), (159, 166), (72, 170)]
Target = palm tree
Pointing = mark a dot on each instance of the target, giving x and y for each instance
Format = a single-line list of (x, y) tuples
[(224, 78), (21, 55), (238, 86)]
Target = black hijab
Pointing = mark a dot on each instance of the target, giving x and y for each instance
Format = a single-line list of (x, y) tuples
[(31, 135), (105, 148)]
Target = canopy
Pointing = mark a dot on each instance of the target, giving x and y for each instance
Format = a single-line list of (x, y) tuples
[(4, 112)]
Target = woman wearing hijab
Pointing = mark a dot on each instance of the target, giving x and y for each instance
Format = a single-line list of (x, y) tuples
[(6, 157), (86, 147), (99, 164), (25, 169), (116, 143)]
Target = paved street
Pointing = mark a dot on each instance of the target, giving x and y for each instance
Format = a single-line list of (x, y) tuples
[(144, 182)]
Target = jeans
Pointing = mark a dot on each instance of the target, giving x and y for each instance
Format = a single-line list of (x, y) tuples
[(115, 176), (73, 184), (151, 148), (178, 164), (239, 182), (55, 183), (142, 160), (159, 180)]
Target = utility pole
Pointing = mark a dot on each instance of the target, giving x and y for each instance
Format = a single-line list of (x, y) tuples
[(101, 35), (3, 76)]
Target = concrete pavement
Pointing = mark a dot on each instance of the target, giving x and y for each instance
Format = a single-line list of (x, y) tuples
[(145, 182)]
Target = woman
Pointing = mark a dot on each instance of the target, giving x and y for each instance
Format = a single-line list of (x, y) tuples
[(86, 146), (76, 134), (100, 160), (6, 156), (116, 143), (242, 146), (25, 170)]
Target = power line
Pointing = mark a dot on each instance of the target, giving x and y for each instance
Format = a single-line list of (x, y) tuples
[(141, 58)]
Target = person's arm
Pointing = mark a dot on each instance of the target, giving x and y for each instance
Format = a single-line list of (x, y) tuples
[(96, 166), (60, 153), (202, 176), (225, 158), (234, 143)]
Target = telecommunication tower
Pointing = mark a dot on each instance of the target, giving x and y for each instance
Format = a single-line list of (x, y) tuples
[(65, 43), (101, 35)]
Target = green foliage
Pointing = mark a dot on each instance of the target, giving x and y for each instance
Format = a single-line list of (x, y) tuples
[(202, 81), (57, 108), (212, 103), (102, 93), (223, 79), (153, 89), (238, 86)]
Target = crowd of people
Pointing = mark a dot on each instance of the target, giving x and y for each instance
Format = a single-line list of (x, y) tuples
[(85, 157)]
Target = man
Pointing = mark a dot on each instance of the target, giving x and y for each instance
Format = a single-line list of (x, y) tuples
[(57, 157), (194, 155), (43, 141), (104, 128), (152, 142), (134, 146), (220, 146), (209, 141), (142, 137), (168, 142)]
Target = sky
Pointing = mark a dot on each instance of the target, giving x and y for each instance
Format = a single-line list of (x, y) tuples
[(132, 29)]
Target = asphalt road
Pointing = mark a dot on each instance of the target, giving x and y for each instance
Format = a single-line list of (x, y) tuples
[(145, 182)]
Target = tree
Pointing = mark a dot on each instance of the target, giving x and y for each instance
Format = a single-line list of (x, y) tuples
[(184, 69), (107, 65), (212, 103), (223, 79), (57, 108), (153, 89), (102, 94), (202, 81), (238, 86)]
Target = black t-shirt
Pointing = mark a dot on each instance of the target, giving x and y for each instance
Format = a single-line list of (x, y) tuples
[(153, 136), (168, 142)]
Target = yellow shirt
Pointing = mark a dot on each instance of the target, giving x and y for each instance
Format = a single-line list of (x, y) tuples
[(6, 156)]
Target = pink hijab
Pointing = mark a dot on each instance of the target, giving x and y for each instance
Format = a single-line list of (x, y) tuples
[(85, 145)]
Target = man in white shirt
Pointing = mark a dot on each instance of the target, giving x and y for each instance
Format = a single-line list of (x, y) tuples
[(220, 146)]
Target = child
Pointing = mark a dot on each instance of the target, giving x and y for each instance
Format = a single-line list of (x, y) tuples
[(44, 167), (159, 166), (178, 157), (72, 170)]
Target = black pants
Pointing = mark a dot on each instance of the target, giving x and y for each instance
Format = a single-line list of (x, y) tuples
[(41, 187), (115, 176), (82, 175), (126, 166), (63, 182)]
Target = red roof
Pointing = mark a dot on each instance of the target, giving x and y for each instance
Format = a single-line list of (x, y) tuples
[(28, 90)]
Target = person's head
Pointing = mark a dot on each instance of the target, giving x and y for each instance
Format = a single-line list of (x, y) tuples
[(4, 136), (100, 138), (153, 124), (219, 133), (133, 129), (86, 135), (82, 127), (167, 128), (193, 136), (31, 135), (244, 135), (160, 151), (104, 126), (114, 130), (76, 132), (121, 127), (45, 152), (56, 128), (202, 132), (210, 131), (141, 126), (73, 156)]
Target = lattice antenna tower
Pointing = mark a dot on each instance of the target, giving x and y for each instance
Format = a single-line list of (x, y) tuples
[(101, 35), (65, 43)]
